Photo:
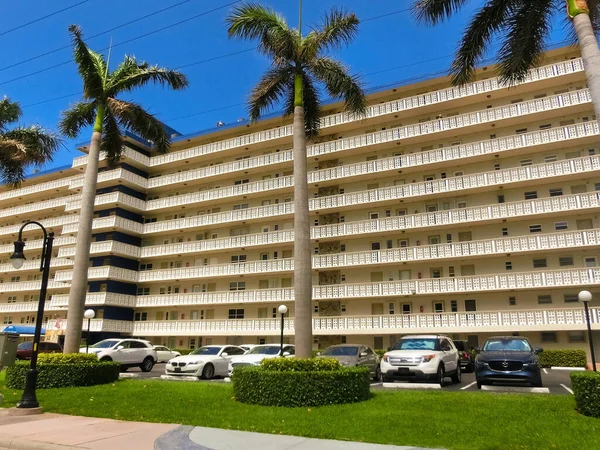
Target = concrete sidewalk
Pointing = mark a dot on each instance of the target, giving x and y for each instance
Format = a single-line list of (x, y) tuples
[(60, 432)]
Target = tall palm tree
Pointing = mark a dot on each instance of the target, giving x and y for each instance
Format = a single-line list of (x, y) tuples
[(22, 147), (523, 27), (299, 65), (109, 116)]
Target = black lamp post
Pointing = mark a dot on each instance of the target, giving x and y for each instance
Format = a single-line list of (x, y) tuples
[(282, 310), (89, 315), (29, 399), (585, 297)]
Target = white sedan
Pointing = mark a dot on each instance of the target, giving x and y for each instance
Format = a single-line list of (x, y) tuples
[(256, 354), (165, 354), (205, 362)]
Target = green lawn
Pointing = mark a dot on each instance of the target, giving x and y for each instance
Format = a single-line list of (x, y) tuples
[(453, 420)]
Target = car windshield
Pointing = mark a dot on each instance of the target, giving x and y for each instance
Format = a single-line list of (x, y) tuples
[(418, 344), (108, 343), (271, 350), (340, 351), (25, 346), (506, 345), (206, 351)]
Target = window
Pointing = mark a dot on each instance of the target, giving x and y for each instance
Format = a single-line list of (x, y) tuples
[(576, 336), (571, 298), (539, 263), (585, 224), (530, 195), (465, 236), (559, 226), (497, 165), (526, 162), (512, 301), (449, 238), (461, 203), (240, 206), (431, 208), (504, 231), (401, 212), (522, 130), (436, 272), (145, 267), (237, 286), (373, 215), (140, 316), (438, 307), (470, 305), (508, 265), (555, 192), (434, 240), (544, 299), (501, 198), (342, 247), (143, 291), (535, 228), (7, 320), (550, 158), (236, 314), (453, 305), (590, 261), (236, 259), (451, 272), (406, 308), (565, 261), (403, 243), (549, 336), (12, 299), (244, 181), (375, 245), (392, 308)]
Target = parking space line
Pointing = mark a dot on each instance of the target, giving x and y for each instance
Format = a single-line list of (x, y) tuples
[(569, 390), (545, 371), (533, 390), (376, 384), (468, 385), (411, 386)]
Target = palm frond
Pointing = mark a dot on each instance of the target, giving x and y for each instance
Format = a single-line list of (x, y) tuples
[(488, 20), (90, 65), (136, 119), (269, 91), (338, 29), (12, 167), (274, 36), (528, 28), (40, 145), (339, 83), (112, 140), (435, 11), (9, 112), (132, 74), (80, 115), (312, 105)]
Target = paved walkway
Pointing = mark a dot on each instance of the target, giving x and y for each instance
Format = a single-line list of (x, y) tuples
[(60, 432)]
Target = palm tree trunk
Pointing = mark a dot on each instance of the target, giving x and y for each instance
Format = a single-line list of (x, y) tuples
[(79, 285), (302, 244), (590, 55)]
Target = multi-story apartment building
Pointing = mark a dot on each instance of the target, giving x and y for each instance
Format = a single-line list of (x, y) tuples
[(469, 211)]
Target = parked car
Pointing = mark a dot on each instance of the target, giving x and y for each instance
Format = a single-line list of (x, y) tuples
[(25, 349), (508, 359), (164, 354), (467, 358), (427, 357), (248, 346), (255, 355), (354, 355), (205, 362), (127, 352)]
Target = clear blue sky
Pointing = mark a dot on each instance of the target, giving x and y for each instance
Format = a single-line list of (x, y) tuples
[(382, 46)]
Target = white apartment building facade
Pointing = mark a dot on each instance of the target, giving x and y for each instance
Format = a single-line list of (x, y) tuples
[(468, 211)]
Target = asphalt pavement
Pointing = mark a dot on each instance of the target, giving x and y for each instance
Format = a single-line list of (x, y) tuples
[(555, 382)]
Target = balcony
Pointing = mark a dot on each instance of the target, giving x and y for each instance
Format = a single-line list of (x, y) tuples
[(101, 273), (48, 223), (128, 153), (462, 322), (104, 247), (108, 223), (38, 243), (35, 264), (120, 175), (547, 279), (38, 207), (113, 199), (35, 189), (96, 299), (35, 286), (97, 325)]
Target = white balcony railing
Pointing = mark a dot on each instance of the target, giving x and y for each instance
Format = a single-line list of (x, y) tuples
[(113, 197), (112, 175), (111, 222), (101, 273), (39, 206), (35, 264), (48, 223), (128, 153), (108, 325), (38, 243), (36, 188), (112, 247), (23, 286), (96, 299), (480, 321)]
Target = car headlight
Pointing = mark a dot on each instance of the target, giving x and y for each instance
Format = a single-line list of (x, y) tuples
[(427, 358), (479, 363), (530, 363), (386, 359), (195, 362)]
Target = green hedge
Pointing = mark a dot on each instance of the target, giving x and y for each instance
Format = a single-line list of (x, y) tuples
[(300, 365), (563, 358), (291, 388), (380, 353), (586, 389), (64, 370), (183, 351)]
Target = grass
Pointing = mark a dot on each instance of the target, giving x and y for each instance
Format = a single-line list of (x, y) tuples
[(452, 420)]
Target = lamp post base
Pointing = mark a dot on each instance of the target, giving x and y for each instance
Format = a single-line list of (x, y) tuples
[(25, 411)]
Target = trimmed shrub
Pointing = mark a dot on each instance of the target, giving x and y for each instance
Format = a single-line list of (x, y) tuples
[(57, 370), (586, 389), (563, 358), (183, 351), (293, 388), (300, 365), (380, 353)]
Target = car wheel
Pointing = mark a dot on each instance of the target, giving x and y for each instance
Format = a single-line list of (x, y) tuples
[(106, 358), (441, 374), (208, 372), (377, 376), (147, 364), (123, 369), (457, 376)]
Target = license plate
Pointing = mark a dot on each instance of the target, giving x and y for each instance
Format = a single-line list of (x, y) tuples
[(403, 370), (177, 369)]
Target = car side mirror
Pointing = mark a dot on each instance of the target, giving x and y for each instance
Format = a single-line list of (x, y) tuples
[(224, 354), (286, 353), (120, 347), (539, 350), (363, 354), (477, 350)]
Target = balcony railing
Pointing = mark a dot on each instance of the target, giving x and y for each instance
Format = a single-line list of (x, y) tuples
[(96, 299), (106, 325), (476, 321), (36, 188), (101, 273), (38, 243), (21, 286), (39, 206), (112, 247), (109, 222), (111, 175), (113, 197), (48, 223), (35, 265)]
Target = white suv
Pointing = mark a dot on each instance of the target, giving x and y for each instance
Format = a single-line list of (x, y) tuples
[(427, 357), (127, 352)]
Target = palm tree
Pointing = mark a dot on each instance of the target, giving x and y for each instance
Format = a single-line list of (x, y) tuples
[(109, 116), (298, 66), (524, 28), (22, 147)]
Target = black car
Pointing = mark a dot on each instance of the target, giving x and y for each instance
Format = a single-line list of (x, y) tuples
[(508, 359), (467, 358)]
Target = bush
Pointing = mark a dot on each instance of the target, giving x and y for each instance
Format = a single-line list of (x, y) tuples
[(292, 388), (64, 370), (183, 351), (586, 389), (300, 365), (380, 353), (563, 358)]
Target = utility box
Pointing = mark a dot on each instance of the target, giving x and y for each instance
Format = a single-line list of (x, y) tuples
[(8, 348)]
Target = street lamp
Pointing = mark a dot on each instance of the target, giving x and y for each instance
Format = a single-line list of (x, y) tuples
[(29, 399), (282, 310), (89, 314), (585, 297)]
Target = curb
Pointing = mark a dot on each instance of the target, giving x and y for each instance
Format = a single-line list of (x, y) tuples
[(23, 444), (573, 369)]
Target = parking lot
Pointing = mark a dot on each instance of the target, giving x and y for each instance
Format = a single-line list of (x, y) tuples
[(556, 382)]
